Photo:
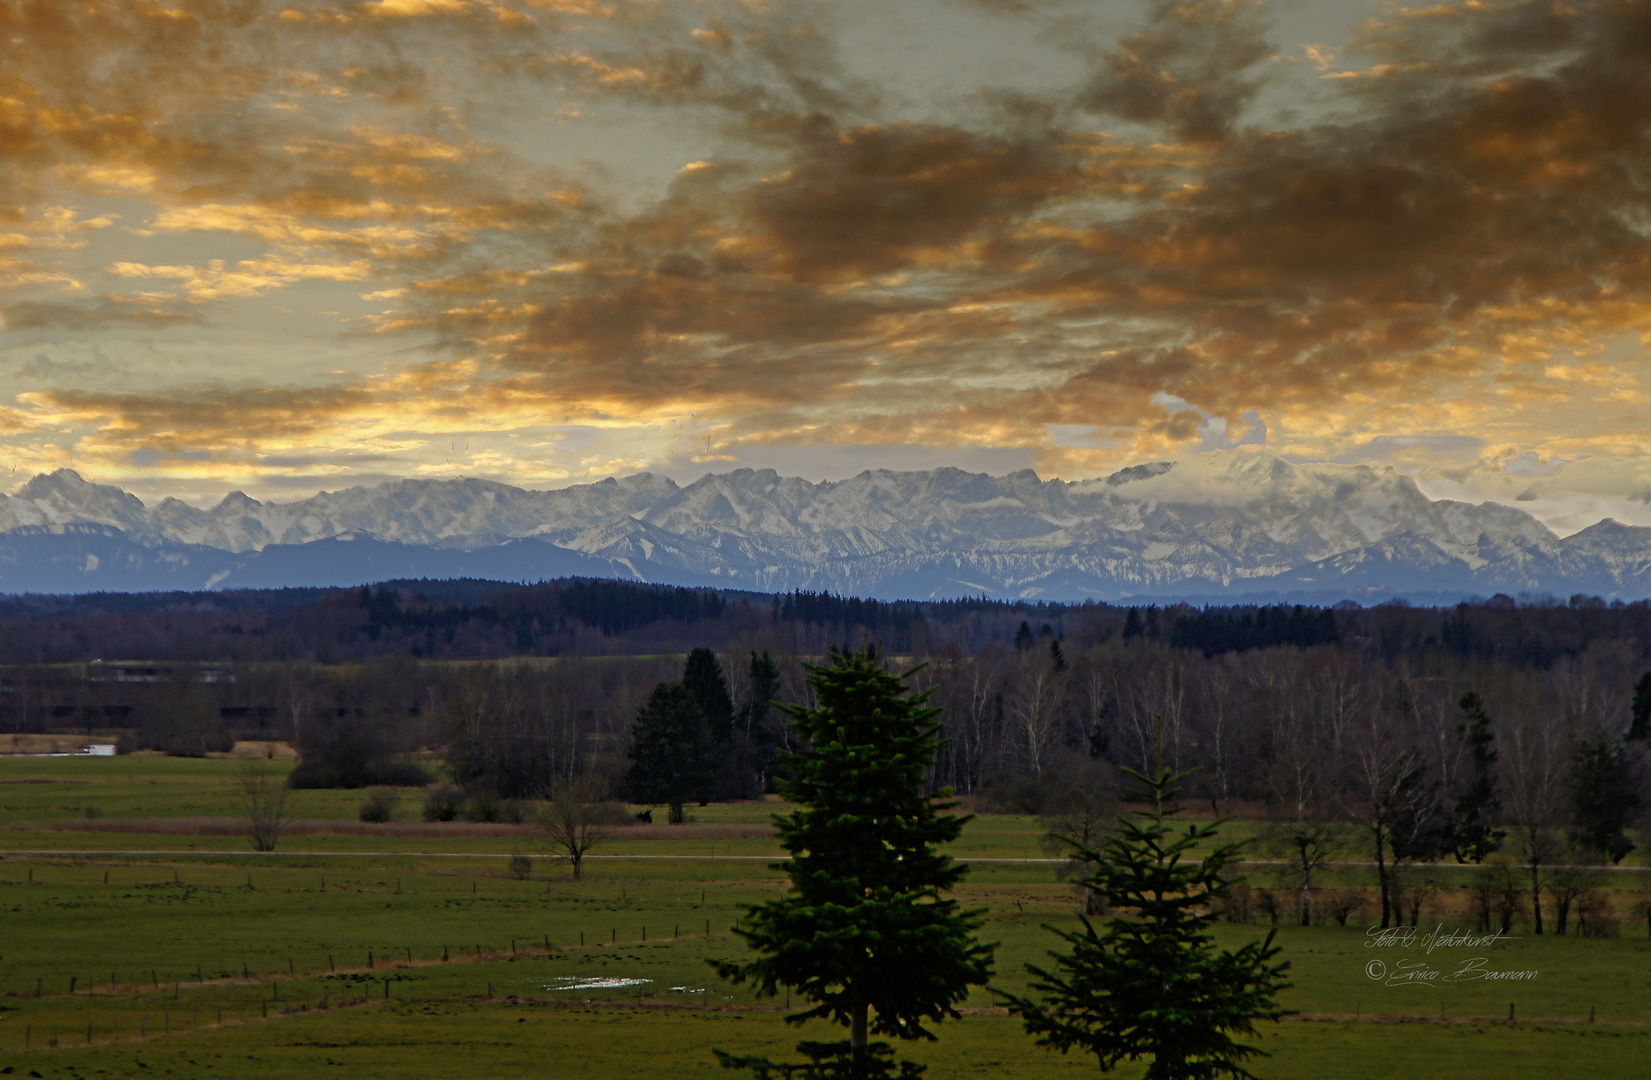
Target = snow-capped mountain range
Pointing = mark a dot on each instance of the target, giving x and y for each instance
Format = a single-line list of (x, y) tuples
[(1239, 523)]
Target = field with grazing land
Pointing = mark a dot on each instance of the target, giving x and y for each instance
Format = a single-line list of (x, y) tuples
[(410, 949)]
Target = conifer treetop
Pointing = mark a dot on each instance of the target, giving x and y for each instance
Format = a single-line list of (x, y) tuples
[(1149, 981), (866, 933)]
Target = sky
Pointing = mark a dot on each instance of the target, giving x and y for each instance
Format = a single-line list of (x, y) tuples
[(290, 246)]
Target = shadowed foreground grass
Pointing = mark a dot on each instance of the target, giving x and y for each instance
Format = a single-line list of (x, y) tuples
[(573, 1042)]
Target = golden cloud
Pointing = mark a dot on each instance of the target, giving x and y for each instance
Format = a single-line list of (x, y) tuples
[(1455, 248)]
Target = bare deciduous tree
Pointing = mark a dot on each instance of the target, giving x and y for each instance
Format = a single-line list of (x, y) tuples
[(574, 821), (1035, 708), (1080, 818), (263, 802), (1390, 797), (1308, 844), (1571, 876), (1298, 774), (1535, 779)]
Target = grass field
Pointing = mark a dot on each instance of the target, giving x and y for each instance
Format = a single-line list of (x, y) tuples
[(407, 951)]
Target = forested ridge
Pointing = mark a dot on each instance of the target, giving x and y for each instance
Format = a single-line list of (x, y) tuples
[(578, 617)]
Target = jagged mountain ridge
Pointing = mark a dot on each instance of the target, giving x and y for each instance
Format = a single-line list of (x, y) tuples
[(1238, 522)]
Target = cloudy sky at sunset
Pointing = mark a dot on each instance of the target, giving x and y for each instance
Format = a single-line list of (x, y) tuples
[(288, 246)]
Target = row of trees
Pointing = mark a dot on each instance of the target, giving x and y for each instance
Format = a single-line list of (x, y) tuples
[(580, 617), (1366, 744), (691, 744)]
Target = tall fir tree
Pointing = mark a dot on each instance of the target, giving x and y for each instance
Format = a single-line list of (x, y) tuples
[(1474, 834), (1639, 726), (1604, 796), (670, 751), (866, 933), (702, 677), (1149, 982), (1133, 627), (761, 738)]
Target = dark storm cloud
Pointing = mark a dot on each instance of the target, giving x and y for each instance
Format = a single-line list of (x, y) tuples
[(1189, 69)]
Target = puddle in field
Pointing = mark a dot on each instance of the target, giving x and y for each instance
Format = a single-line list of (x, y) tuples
[(687, 989), (606, 982)]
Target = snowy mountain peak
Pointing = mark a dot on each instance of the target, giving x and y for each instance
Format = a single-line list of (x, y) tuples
[(1229, 522)]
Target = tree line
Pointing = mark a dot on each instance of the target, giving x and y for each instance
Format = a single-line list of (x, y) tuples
[(1502, 731), (432, 620)]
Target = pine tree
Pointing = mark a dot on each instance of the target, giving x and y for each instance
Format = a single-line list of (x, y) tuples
[(1149, 982), (1133, 627), (1640, 727), (866, 933), (670, 750), (702, 677), (1475, 835), (761, 740), (1057, 659), (1604, 797)]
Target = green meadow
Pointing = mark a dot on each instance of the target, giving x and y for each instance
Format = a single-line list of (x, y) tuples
[(407, 950)]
